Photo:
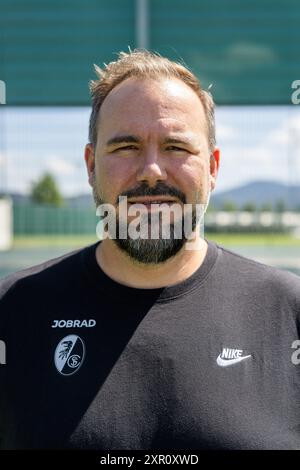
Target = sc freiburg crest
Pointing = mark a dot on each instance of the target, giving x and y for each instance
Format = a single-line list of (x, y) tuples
[(69, 355)]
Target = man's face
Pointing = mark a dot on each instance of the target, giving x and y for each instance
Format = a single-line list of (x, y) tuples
[(152, 145)]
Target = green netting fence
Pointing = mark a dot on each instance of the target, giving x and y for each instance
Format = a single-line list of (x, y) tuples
[(46, 220)]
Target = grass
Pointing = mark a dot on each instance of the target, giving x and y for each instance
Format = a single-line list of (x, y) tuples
[(253, 239), (225, 239), (43, 241)]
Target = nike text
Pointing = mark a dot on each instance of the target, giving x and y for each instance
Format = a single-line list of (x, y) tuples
[(230, 357)]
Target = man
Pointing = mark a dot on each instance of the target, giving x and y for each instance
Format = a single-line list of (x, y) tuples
[(144, 343)]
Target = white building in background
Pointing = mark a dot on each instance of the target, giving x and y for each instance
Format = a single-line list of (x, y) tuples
[(286, 220), (6, 223)]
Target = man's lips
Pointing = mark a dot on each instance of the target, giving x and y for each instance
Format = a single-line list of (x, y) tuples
[(152, 200)]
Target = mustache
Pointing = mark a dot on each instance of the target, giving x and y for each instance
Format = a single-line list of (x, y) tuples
[(161, 189)]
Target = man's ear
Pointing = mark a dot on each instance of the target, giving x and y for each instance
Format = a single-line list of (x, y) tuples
[(214, 167), (89, 156)]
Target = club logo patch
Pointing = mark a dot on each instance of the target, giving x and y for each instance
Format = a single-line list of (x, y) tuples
[(69, 355)]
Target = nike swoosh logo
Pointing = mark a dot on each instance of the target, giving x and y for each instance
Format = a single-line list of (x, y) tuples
[(229, 362)]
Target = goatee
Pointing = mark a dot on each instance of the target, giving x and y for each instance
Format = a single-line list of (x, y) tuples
[(149, 250)]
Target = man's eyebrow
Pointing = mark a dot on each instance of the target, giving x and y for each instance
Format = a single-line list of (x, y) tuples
[(121, 139), (178, 140), (132, 139)]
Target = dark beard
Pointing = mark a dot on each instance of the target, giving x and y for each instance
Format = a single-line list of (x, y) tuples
[(154, 251), (151, 251)]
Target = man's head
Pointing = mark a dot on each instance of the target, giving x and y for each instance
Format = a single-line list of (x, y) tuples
[(152, 134)]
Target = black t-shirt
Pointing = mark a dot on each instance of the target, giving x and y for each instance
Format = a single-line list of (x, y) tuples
[(209, 363)]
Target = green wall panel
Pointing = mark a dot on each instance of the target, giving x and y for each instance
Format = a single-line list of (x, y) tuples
[(48, 47), (44, 220), (246, 49)]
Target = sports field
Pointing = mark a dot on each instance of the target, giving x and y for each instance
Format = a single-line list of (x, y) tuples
[(226, 239), (279, 250)]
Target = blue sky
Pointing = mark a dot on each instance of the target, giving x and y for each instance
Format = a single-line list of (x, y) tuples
[(257, 143)]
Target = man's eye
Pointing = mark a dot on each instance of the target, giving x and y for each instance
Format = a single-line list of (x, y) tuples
[(127, 147), (173, 148)]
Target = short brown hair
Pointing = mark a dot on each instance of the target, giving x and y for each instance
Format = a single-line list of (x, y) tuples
[(145, 64)]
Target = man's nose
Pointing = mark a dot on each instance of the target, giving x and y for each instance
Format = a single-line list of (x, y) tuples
[(151, 169)]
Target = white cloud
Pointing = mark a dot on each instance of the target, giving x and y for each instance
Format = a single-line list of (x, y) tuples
[(286, 133), (60, 166), (294, 121), (268, 149), (278, 136), (240, 165), (3, 159), (224, 131)]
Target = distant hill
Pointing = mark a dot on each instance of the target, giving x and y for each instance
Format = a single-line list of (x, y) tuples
[(259, 193)]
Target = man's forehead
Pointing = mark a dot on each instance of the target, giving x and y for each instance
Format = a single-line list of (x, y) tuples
[(170, 106), (164, 93), (162, 126)]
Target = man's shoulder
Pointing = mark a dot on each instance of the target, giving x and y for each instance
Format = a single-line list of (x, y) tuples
[(232, 258), (49, 271), (259, 275)]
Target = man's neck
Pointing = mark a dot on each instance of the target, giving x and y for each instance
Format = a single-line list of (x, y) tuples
[(119, 267)]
